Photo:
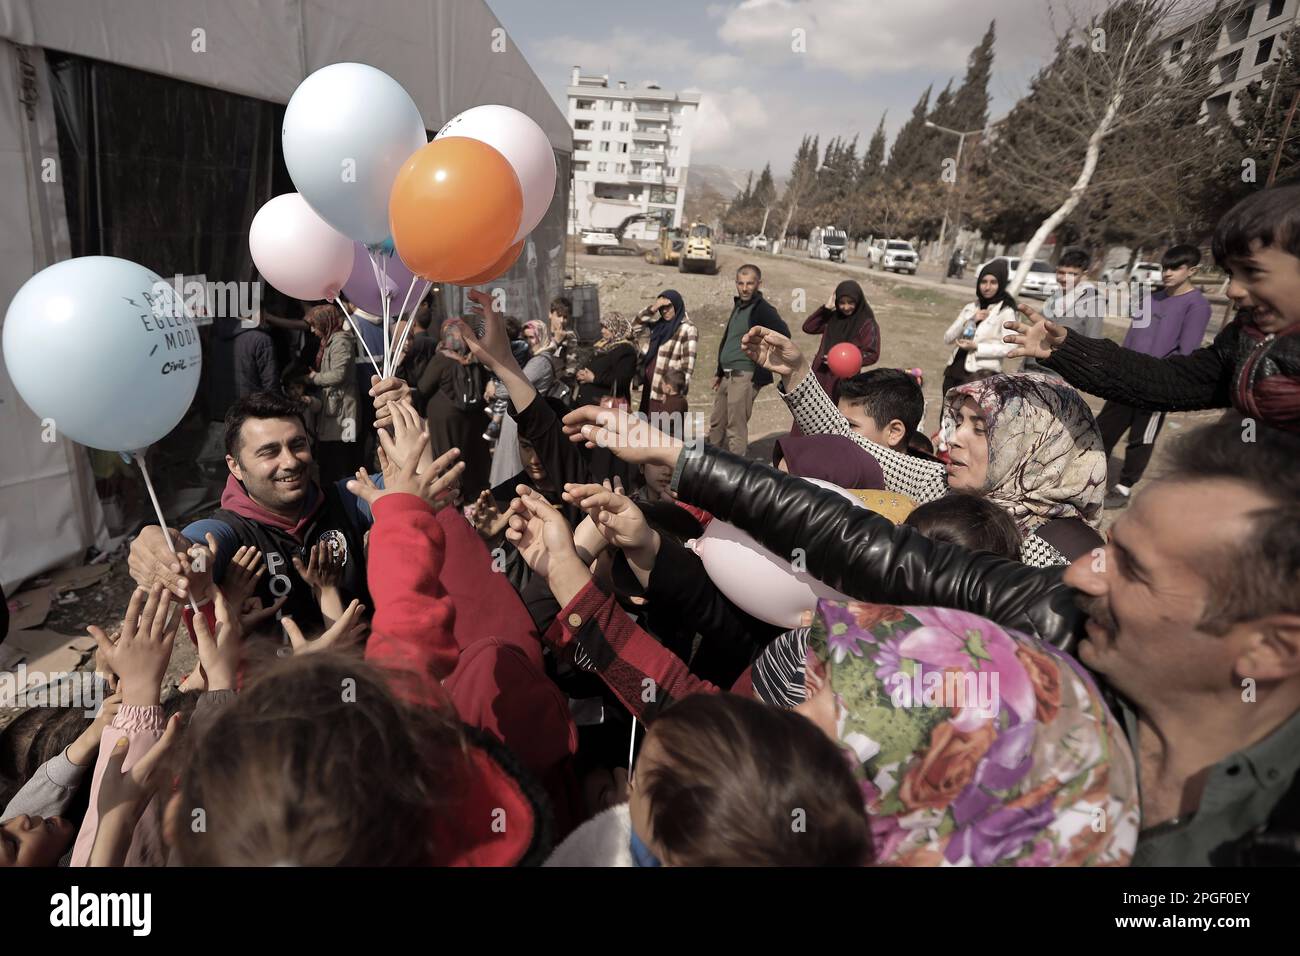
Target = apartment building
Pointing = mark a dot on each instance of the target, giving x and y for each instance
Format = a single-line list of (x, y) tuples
[(631, 151), (1251, 37)]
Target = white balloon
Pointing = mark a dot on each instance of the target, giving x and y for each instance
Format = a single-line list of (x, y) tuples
[(524, 145), (348, 129), (103, 348), (297, 251), (756, 580)]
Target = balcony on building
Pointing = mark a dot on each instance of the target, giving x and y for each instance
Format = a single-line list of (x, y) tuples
[(648, 155), (652, 114), (650, 135)]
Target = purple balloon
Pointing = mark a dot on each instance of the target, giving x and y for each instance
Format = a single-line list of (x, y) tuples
[(361, 289)]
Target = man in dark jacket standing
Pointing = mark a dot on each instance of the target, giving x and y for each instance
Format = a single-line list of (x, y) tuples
[(738, 379)]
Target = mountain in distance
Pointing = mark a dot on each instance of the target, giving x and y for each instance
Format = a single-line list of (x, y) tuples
[(726, 181)]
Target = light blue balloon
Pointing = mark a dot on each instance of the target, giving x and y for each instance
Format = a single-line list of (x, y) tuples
[(102, 346), (347, 131)]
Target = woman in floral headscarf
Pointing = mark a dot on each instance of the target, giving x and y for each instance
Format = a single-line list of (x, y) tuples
[(610, 372), (973, 745), (1029, 444)]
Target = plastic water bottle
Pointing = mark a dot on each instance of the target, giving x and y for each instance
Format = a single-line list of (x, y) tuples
[(968, 330)]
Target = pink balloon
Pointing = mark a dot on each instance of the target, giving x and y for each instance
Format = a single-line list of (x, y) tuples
[(524, 145), (755, 579), (361, 289), (297, 251), (844, 360)]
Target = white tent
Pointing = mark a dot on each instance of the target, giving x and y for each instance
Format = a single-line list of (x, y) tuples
[(449, 54)]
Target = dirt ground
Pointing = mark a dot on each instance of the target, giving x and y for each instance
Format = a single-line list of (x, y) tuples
[(912, 317)]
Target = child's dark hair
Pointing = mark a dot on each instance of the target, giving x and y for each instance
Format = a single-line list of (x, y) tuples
[(676, 378), (919, 442), (291, 772), (1183, 254), (563, 307), (514, 328), (886, 394), (1270, 216), (734, 778), (971, 522), (35, 736), (1076, 258)]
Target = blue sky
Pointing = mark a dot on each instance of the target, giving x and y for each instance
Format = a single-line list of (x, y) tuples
[(860, 58)]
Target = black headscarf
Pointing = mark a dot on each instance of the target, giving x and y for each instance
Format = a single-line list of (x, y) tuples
[(845, 328), (998, 270), (665, 329)]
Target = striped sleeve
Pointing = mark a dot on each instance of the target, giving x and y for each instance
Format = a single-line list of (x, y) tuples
[(816, 414)]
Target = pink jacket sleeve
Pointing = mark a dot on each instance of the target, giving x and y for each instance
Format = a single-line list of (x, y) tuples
[(143, 727)]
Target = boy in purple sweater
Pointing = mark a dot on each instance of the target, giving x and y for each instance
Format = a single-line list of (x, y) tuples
[(1173, 324)]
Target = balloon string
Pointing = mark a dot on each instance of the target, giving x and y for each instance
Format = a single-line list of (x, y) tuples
[(357, 331), (401, 340), (631, 747), (387, 298), (406, 298), (157, 510), (383, 310)]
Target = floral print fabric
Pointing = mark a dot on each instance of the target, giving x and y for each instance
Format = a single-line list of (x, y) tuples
[(974, 745)]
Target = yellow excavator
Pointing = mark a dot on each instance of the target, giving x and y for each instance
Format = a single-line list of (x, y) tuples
[(690, 250)]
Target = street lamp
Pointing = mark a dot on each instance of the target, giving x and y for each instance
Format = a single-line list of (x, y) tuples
[(961, 143)]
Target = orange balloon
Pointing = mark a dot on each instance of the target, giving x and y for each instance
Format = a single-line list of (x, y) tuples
[(455, 204), (497, 269)]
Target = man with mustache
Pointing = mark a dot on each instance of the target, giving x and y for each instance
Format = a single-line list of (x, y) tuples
[(1189, 616), (271, 502)]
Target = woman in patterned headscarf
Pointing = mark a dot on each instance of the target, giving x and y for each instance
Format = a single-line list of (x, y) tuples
[(1029, 443), (973, 745), (609, 373)]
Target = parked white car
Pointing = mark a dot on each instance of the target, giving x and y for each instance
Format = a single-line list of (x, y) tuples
[(1040, 282), (892, 255), (758, 242), (1142, 273)]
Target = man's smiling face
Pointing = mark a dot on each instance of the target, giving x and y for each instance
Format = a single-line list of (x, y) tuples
[(273, 461), (1147, 591)]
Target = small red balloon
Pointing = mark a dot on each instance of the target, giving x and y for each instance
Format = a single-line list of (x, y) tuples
[(845, 360)]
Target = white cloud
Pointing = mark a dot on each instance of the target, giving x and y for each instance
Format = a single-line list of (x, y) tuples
[(726, 118)]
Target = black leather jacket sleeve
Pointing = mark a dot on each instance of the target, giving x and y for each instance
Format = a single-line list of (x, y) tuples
[(868, 558)]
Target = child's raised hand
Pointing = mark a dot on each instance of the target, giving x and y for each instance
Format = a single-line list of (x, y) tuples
[(348, 631), (616, 516), (199, 561), (141, 653), (220, 653), (242, 574), (408, 426), (1034, 338), (489, 520), (437, 485), (772, 350), (539, 531), (323, 569), (624, 434)]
